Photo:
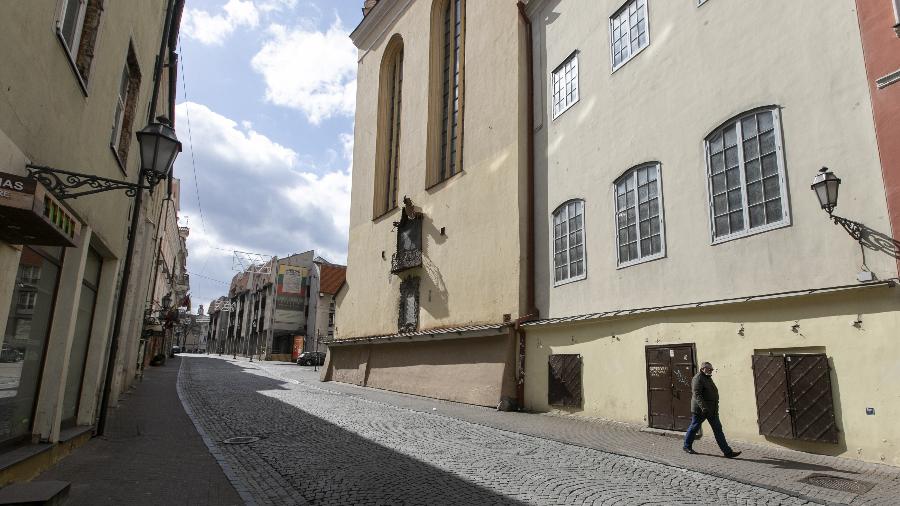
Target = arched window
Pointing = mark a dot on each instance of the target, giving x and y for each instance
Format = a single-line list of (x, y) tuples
[(746, 176), (446, 90), (387, 150), (568, 242), (639, 215)]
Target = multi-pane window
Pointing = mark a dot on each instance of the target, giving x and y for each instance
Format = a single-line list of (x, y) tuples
[(568, 241), (639, 215), (447, 91), (564, 82), (121, 100), (77, 25), (27, 300), (628, 31), (126, 100), (746, 173), (71, 21)]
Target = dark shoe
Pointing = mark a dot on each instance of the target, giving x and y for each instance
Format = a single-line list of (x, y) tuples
[(691, 451), (732, 455)]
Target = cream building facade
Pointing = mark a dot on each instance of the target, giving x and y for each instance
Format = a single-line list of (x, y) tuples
[(675, 143), (76, 83), (437, 259)]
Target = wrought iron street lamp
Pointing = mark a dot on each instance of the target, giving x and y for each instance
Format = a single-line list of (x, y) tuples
[(826, 186)]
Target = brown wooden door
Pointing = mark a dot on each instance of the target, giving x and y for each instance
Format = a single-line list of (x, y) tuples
[(669, 373), (809, 389), (793, 397), (773, 414)]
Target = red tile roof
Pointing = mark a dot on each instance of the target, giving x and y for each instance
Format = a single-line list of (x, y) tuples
[(333, 277)]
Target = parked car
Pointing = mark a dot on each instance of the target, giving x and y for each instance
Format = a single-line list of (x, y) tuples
[(311, 358), (175, 350)]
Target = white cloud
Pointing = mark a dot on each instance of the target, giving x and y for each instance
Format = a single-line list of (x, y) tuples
[(309, 70), (227, 142), (257, 195), (213, 29)]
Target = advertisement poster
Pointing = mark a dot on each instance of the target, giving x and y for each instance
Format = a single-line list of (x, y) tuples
[(290, 287), (297, 349)]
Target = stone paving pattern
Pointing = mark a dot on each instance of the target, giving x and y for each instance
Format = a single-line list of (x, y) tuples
[(329, 443), (150, 455), (765, 466)]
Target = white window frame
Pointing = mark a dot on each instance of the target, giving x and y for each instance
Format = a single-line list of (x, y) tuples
[(121, 104), (632, 172), (583, 275), (612, 53), (560, 69), (79, 26), (782, 179)]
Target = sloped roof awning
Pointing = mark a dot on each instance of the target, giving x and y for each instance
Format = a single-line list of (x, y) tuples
[(465, 332)]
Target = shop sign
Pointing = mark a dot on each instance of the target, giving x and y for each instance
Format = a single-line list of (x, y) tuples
[(29, 214)]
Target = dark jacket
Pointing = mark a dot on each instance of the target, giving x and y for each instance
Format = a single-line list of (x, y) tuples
[(706, 396)]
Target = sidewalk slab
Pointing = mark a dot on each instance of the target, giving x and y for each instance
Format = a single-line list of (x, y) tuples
[(151, 454)]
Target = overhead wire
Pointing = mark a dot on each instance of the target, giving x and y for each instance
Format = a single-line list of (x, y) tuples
[(187, 115)]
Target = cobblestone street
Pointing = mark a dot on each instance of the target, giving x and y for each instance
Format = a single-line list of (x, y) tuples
[(321, 445)]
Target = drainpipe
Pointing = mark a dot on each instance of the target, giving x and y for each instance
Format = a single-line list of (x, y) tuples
[(531, 306)]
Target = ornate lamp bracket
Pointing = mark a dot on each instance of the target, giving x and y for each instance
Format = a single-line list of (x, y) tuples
[(65, 184)]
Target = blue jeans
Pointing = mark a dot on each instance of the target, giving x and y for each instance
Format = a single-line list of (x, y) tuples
[(713, 419)]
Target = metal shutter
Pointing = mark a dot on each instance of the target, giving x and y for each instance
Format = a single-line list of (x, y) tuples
[(564, 381), (810, 397)]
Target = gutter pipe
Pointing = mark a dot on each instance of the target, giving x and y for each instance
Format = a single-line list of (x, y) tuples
[(531, 307)]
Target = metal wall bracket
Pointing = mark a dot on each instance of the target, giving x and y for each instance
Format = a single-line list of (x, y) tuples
[(65, 184)]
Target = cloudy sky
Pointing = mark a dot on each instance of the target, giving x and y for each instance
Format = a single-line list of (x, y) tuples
[(265, 114)]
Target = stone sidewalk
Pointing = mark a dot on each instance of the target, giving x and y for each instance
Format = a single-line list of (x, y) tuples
[(773, 468), (151, 454)]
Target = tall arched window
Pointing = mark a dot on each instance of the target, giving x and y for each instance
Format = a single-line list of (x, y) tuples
[(568, 242), (639, 215), (747, 186), (387, 150), (447, 71)]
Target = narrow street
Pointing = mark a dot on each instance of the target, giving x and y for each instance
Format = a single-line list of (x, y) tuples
[(338, 444)]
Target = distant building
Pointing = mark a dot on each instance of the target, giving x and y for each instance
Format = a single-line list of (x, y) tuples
[(277, 308)]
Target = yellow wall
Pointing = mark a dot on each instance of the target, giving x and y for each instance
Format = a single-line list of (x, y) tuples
[(473, 370), (865, 362), (473, 273)]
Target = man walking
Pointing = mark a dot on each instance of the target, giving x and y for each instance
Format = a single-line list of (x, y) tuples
[(705, 406)]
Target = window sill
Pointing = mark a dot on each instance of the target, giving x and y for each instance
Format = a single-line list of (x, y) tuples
[(747, 233), (632, 263), (631, 57), (72, 65), (570, 280), (436, 186)]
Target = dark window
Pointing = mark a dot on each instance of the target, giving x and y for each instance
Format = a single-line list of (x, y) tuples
[(408, 320), (793, 397), (564, 381), (25, 338)]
